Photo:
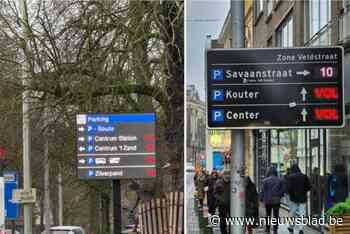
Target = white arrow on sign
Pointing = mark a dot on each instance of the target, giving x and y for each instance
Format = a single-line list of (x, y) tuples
[(304, 114), (82, 161), (303, 94), (292, 104), (81, 129), (304, 73), (81, 139), (81, 148)]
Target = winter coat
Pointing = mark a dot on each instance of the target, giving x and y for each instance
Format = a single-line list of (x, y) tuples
[(211, 183), (201, 181), (252, 201), (222, 192), (272, 190), (337, 189), (298, 184), (317, 193)]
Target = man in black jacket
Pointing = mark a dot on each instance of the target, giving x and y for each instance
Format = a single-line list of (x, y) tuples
[(298, 185), (222, 193)]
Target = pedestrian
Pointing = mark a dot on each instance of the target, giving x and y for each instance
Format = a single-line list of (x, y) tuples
[(317, 192), (222, 196), (195, 183), (271, 194), (341, 183), (337, 186), (201, 180), (251, 204), (298, 185), (210, 193)]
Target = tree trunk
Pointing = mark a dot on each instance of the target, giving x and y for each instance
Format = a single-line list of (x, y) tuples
[(93, 220)]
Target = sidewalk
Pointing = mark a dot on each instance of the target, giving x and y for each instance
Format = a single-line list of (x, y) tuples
[(192, 222)]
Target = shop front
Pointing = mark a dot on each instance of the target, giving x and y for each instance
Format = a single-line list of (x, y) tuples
[(319, 153)]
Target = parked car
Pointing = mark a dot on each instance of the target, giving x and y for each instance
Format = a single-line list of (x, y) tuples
[(66, 230)]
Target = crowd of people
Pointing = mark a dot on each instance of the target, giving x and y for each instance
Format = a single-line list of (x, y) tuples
[(294, 185)]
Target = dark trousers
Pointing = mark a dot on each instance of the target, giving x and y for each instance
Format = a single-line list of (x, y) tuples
[(224, 212), (211, 202), (275, 209)]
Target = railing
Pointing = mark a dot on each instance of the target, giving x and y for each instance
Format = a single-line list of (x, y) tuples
[(323, 36), (162, 215)]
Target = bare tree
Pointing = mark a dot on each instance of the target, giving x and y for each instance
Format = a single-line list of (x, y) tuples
[(94, 56)]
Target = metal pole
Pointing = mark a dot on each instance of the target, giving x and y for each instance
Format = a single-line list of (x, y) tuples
[(237, 205), (3, 218), (27, 180), (117, 208), (47, 211), (278, 152), (60, 197)]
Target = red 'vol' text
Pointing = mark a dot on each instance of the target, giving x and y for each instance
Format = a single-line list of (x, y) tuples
[(326, 93), (326, 114)]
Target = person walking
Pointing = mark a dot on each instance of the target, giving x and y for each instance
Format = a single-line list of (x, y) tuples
[(222, 196), (316, 193), (210, 193), (201, 181), (251, 204), (271, 194), (298, 185)]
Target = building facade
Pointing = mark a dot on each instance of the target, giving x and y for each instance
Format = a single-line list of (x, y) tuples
[(318, 152), (196, 129)]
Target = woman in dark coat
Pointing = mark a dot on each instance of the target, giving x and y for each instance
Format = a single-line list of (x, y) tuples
[(210, 193), (251, 203)]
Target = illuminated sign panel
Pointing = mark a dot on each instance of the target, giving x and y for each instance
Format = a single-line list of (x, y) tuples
[(116, 146), (275, 88)]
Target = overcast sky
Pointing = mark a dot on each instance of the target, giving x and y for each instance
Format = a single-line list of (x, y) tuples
[(203, 17)]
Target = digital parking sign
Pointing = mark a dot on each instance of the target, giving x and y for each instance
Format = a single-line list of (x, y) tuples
[(275, 88), (116, 146)]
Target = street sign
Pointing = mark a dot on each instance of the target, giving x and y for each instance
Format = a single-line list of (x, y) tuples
[(11, 184), (23, 196), (116, 146), (275, 88)]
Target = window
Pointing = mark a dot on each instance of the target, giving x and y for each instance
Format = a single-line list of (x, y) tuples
[(258, 8), (320, 15), (285, 33), (269, 4), (346, 5)]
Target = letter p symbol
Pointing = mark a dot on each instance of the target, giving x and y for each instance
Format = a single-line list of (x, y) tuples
[(218, 95), (218, 115), (217, 74)]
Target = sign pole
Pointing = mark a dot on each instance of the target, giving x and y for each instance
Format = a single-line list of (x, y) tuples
[(2, 198), (237, 203), (117, 208), (27, 179)]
